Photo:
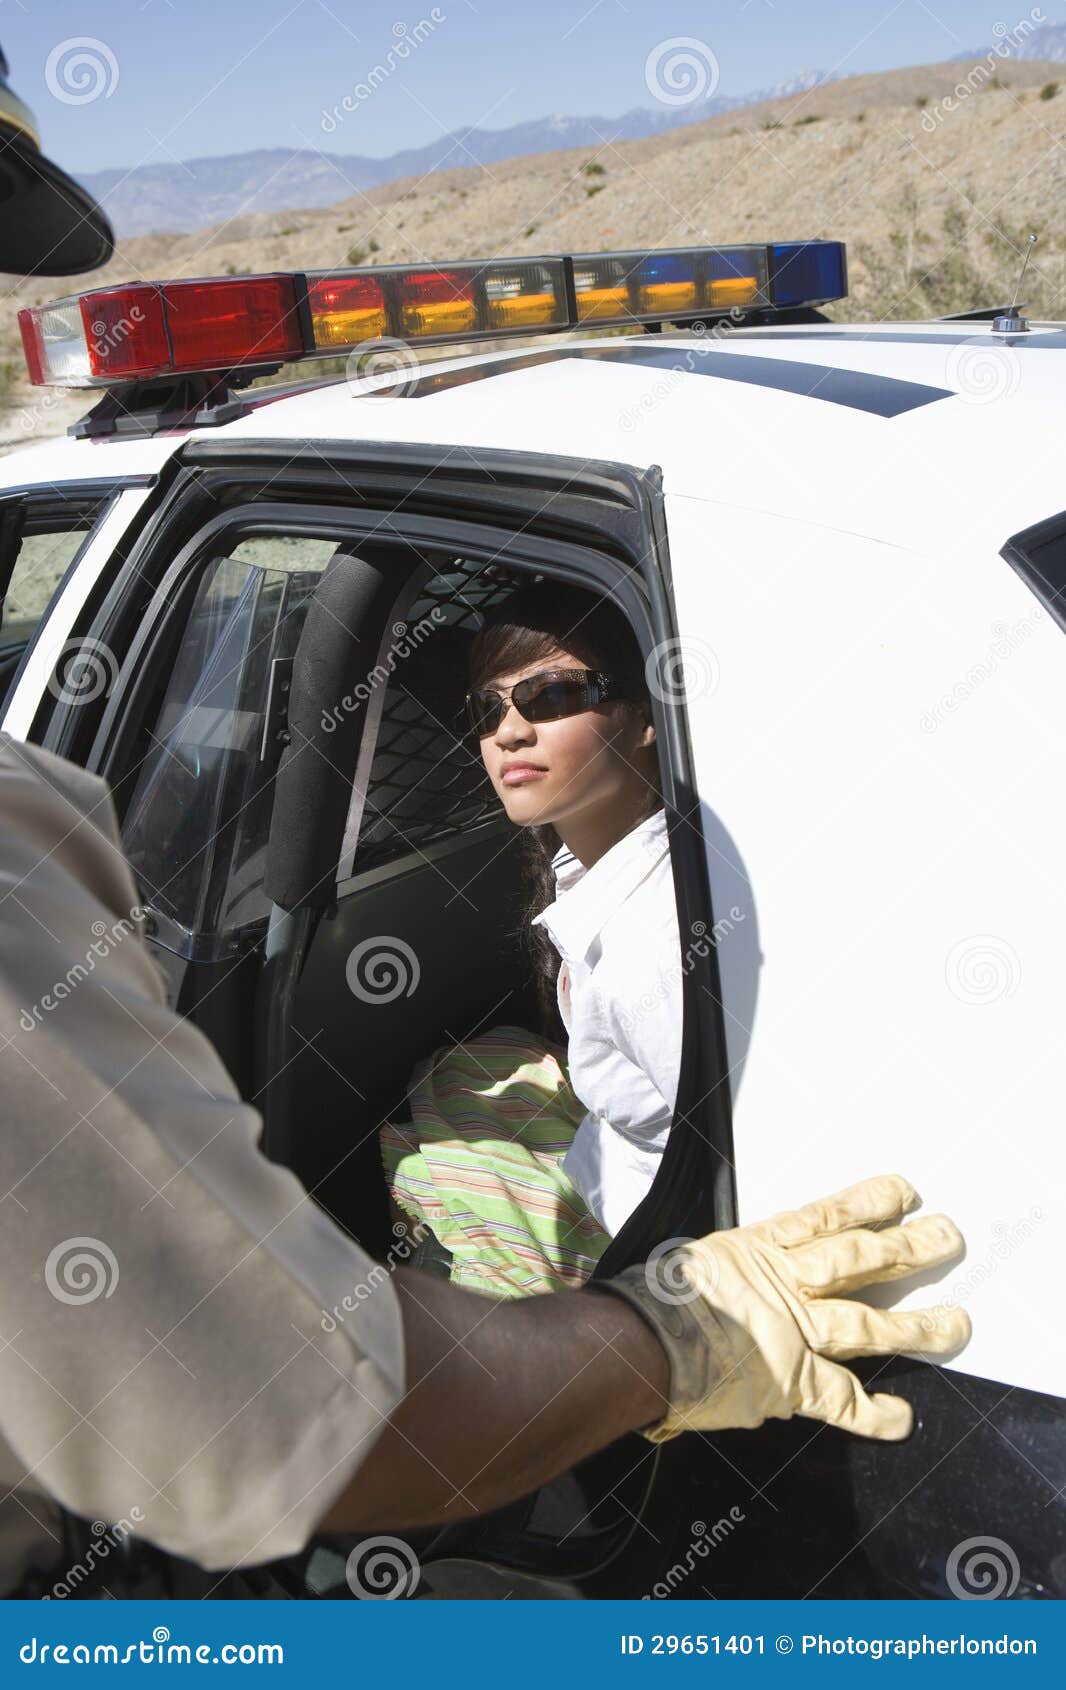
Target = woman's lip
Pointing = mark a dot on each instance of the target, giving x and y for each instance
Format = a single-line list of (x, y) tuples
[(521, 772)]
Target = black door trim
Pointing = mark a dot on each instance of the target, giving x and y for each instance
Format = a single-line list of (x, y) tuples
[(1023, 552), (609, 511)]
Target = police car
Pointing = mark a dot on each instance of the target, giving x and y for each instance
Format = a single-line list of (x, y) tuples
[(843, 551)]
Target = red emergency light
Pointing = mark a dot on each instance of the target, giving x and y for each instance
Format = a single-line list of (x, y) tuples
[(142, 330), (147, 329)]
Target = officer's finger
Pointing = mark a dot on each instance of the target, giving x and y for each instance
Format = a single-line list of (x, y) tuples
[(872, 1202), (853, 1259), (837, 1397), (843, 1329)]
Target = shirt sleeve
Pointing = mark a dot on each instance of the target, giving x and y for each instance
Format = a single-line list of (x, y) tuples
[(190, 1345)]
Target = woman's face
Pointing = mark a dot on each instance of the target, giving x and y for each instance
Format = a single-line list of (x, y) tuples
[(595, 759)]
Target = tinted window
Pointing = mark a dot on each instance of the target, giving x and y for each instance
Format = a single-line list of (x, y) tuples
[(39, 540), (196, 827)]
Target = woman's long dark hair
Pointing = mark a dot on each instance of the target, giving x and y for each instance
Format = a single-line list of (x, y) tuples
[(535, 620)]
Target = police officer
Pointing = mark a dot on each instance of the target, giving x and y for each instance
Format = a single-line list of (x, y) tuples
[(189, 1344), (191, 1348)]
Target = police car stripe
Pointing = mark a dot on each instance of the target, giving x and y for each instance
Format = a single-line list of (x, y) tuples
[(858, 390), (881, 396)]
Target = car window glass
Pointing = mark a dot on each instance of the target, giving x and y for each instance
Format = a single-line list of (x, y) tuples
[(196, 828), (46, 548)]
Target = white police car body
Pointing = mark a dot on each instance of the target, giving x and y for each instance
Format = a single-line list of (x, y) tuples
[(843, 548)]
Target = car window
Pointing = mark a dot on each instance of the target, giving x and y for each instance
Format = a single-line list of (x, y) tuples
[(196, 827), (40, 538), (42, 562), (46, 542)]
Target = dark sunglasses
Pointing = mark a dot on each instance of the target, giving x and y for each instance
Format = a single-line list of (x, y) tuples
[(543, 697)]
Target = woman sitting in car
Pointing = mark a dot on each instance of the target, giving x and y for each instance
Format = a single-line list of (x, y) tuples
[(525, 1155)]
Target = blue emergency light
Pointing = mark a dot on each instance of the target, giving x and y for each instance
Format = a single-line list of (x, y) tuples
[(138, 331)]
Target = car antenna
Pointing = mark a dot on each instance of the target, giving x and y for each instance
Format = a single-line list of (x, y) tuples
[(1012, 321)]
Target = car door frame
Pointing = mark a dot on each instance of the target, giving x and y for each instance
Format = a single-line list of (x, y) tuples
[(599, 523), (537, 501), (27, 708)]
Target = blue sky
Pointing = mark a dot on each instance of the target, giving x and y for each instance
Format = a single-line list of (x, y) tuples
[(179, 79)]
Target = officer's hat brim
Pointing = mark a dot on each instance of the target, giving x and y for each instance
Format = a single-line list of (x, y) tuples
[(49, 226)]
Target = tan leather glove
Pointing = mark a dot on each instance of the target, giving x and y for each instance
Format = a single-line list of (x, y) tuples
[(755, 1321)]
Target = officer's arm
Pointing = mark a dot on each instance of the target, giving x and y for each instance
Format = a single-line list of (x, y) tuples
[(500, 1398), (191, 1345), (748, 1324)]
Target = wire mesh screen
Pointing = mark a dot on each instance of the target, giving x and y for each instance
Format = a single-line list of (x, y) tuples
[(427, 779)]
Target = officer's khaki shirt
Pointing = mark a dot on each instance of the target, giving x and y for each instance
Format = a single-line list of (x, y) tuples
[(170, 1352)]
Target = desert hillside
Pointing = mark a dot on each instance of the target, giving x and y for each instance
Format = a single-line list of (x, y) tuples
[(934, 190)]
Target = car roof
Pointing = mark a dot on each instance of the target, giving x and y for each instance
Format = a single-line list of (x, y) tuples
[(900, 431)]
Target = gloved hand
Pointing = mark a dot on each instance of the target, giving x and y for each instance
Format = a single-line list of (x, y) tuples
[(754, 1320)]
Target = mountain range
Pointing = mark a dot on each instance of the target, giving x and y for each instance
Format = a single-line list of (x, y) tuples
[(1022, 41), (155, 197), (180, 197)]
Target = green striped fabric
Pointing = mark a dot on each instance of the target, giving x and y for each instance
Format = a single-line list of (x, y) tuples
[(479, 1162)]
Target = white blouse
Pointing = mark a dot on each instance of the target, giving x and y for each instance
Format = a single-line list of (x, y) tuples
[(619, 992)]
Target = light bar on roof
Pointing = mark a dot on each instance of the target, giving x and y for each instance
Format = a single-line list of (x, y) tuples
[(456, 301), (145, 329), (141, 330), (640, 287)]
